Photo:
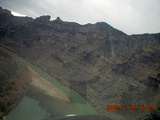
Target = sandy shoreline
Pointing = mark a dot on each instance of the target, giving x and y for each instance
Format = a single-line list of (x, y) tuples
[(47, 88)]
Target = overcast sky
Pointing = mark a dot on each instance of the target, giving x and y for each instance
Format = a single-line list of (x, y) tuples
[(130, 16)]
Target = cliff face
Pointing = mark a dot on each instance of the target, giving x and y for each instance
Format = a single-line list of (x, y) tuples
[(103, 64)]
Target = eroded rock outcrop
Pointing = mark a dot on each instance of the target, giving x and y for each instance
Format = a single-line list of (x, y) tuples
[(77, 53)]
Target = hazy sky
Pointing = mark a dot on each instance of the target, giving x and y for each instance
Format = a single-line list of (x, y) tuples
[(130, 16)]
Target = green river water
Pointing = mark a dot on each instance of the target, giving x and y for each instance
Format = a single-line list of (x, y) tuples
[(36, 106)]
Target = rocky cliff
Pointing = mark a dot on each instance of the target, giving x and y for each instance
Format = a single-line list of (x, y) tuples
[(103, 64)]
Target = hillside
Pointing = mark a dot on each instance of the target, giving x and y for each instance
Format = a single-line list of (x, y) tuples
[(14, 80), (103, 64)]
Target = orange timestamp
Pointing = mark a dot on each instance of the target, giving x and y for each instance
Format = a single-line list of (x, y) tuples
[(129, 107)]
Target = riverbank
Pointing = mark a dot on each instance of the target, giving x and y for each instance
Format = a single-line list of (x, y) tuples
[(46, 87), (44, 97)]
